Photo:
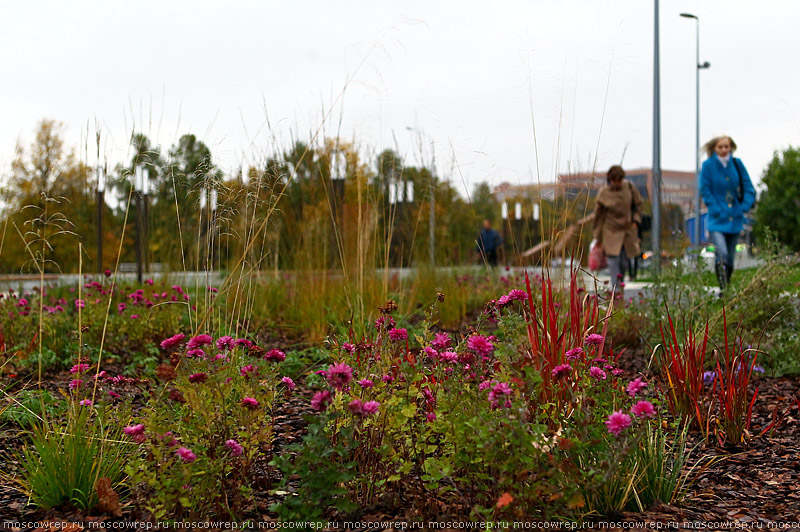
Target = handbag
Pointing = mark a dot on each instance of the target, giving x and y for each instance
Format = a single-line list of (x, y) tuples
[(647, 221), (597, 257), (740, 191)]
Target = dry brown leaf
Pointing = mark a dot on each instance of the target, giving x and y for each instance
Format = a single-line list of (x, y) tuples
[(107, 497)]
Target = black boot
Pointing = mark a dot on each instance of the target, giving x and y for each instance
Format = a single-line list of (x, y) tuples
[(728, 273), (722, 276)]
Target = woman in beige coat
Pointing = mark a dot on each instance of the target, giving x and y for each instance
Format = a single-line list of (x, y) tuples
[(617, 215)]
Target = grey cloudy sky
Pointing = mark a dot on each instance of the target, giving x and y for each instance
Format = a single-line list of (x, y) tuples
[(466, 81)]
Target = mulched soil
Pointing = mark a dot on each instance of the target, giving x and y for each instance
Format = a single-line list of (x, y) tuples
[(757, 484)]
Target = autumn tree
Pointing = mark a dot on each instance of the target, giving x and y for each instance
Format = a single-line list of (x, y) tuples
[(48, 205)]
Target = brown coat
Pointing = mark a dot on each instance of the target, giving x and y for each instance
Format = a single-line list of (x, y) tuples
[(614, 214)]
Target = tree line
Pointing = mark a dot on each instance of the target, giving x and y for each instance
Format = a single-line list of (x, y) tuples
[(311, 206)]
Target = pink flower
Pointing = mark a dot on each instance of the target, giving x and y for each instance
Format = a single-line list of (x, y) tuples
[(366, 383), (350, 348), (148, 281), (22, 302), (441, 341), (80, 303), (480, 344), (561, 371), (519, 295), (594, 339), (448, 356), (370, 407), (249, 368), (384, 322), (243, 342), (108, 273), (617, 422), (86, 402), (597, 373), (643, 409), (339, 374), (196, 353), (486, 384), (388, 379), (199, 341), (236, 449), (430, 352), (500, 390), (79, 368), (398, 335), (198, 377), (186, 454), (321, 400), (136, 432), (636, 386), (289, 383), (574, 354), (356, 407), (430, 417), (249, 402), (276, 355), (75, 384), (225, 343), (121, 307), (134, 316), (172, 341)]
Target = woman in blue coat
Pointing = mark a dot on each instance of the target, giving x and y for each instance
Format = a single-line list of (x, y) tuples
[(728, 193)]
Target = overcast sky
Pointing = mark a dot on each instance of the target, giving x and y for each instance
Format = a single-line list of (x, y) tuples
[(466, 82)]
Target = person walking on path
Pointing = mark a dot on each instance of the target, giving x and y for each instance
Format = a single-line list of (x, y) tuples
[(489, 243), (617, 215), (728, 193)]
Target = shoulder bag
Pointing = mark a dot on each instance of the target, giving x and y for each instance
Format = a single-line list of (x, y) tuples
[(740, 191)]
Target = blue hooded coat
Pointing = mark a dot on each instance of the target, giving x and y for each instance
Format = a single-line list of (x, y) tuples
[(719, 186)]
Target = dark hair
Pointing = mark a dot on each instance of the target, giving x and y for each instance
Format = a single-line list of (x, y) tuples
[(615, 172)]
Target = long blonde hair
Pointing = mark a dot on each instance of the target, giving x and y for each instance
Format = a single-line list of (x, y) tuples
[(709, 146)]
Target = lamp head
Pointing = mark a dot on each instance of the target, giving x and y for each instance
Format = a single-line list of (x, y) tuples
[(689, 15)]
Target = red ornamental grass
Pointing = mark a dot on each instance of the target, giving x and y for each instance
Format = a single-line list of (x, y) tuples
[(731, 388), (551, 333), (682, 367)]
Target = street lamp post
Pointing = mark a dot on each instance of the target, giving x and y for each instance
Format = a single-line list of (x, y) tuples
[(656, 147), (697, 130), (138, 184), (100, 200), (146, 217)]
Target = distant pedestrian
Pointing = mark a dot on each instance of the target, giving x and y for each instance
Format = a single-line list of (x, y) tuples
[(617, 215), (728, 193), (489, 243)]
